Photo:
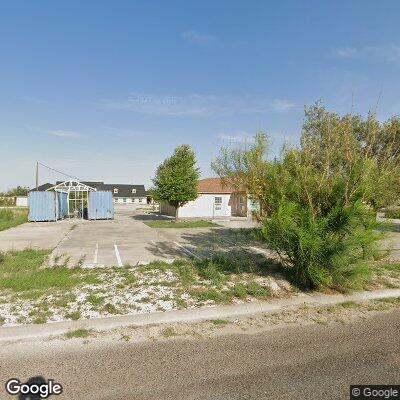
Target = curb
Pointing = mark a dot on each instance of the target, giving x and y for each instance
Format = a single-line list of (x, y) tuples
[(24, 332)]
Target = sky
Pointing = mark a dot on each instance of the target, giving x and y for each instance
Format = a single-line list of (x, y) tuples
[(105, 90)]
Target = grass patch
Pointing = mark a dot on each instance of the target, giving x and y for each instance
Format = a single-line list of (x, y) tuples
[(348, 304), (21, 272), (219, 322), (111, 309), (168, 332), (74, 315), (94, 300), (391, 300), (11, 218), (183, 224), (79, 333), (393, 213)]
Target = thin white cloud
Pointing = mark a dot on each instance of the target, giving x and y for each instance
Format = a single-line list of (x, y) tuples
[(345, 52), (35, 100), (123, 132), (237, 137), (199, 38), (281, 105), (61, 133), (386, 53), (197, 105)]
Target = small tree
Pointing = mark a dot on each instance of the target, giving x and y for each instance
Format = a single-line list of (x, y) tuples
[(176, 179), (246, 169)]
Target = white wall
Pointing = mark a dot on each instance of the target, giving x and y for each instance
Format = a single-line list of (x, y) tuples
[(129, 200), (21, 201), (203, 207)]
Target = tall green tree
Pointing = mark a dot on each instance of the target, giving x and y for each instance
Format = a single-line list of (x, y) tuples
[(246, 169), (177, 178)]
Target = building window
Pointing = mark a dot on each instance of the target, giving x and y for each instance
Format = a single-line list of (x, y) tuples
[(124, 200), (115, 190), (140, 200), (133, 191), (218, 203)]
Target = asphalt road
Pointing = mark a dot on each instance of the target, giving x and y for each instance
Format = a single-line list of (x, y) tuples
[(295, 362)]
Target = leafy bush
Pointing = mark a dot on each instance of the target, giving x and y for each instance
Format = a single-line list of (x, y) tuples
[(322, 199)]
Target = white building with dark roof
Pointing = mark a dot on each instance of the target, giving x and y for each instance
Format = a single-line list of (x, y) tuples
[(122, 193)]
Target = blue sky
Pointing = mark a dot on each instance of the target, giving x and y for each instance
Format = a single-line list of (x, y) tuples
[(107, 90)]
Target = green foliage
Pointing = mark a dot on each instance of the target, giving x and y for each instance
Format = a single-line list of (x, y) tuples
[(177, 178), (246, 169), (79, 333), (17, 191), (12, 218), (21, 271), (392, 213), (322, 197)]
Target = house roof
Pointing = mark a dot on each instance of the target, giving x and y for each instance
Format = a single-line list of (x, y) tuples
[(42, 188), (214, 185), (123, 189)]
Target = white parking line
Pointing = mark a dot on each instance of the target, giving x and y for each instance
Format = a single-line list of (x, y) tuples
[(119, 261), (187, 251), (96, 252)]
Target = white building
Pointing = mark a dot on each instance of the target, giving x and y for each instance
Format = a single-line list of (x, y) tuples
[(215, 201)]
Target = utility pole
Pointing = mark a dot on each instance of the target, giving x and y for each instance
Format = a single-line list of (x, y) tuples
[(37, 175)]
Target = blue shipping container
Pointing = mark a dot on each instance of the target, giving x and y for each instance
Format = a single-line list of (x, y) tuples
[(100, 205), (47, 206), (42, 206), (62, 205)]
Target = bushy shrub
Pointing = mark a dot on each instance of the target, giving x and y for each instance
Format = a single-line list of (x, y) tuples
[(322, 198)]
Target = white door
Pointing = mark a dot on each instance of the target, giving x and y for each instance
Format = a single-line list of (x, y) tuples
[(218, 207)]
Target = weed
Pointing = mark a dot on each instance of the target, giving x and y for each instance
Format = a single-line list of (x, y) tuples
[(348, 304), (74, 315), (111, 309), (168, 332), (94, 300), (219, 322), (78, 333), (391, 300)]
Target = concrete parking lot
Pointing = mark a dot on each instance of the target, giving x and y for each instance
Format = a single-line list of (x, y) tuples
[(124, 240), (128, 240)]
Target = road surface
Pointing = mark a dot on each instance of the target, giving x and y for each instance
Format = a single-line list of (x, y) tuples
[(294, 362)]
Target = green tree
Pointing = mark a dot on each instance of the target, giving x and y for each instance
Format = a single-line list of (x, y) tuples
[(177, 178), (323, 195), (246, 169), (18, 191)]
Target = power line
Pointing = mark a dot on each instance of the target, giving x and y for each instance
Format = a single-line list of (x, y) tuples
[(52, 169)]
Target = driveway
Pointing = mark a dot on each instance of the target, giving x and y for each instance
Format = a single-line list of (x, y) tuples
[(124, 240)]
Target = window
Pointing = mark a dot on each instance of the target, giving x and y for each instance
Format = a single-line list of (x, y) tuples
[(218, 203), (140, 200), (115, 190), (133, 191), (124, 200)]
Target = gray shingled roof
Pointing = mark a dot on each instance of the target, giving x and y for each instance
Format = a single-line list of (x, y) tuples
[(123, 189)]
